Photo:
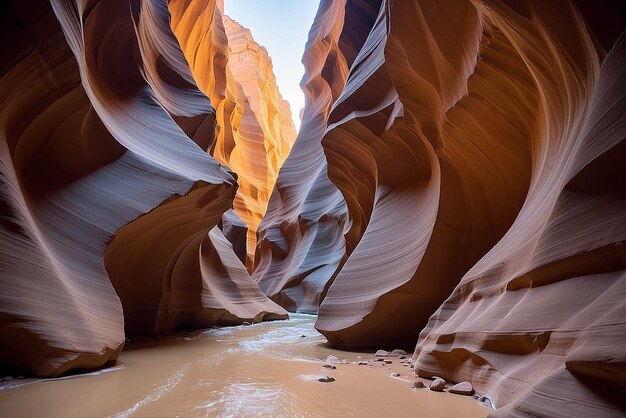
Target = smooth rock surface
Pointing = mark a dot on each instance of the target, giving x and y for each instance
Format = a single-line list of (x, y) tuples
[(463, 388), (437, 385)]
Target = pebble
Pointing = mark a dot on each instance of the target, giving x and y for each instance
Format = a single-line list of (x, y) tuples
[(418, 384), (381, 353), (388, 361), (326, 379), (395, 375), (397, 352), (329, 366), (463, 388), (438, 385), (363, 363)]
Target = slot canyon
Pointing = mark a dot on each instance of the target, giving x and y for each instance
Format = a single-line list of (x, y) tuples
[(456, 189)]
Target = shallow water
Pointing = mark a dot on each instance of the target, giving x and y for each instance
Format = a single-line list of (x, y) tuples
[(265, 370)]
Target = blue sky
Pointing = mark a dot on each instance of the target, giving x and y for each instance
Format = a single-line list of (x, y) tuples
[(282, 27)]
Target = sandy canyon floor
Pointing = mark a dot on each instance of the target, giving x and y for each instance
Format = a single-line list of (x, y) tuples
[(265, 369)]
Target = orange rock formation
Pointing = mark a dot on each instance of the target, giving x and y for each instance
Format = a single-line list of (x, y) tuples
[(255, 131), (457, 186), (96, 116), (477, 148)]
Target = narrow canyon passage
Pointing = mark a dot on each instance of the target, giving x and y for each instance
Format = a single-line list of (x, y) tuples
[(180, 236)]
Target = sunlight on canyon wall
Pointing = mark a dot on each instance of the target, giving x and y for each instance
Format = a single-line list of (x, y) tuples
[(254, 131), (98, 111)]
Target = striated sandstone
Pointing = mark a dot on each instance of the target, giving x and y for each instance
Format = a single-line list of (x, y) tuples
[(301, 239), (81, 166), (254, 131), (477, 148)]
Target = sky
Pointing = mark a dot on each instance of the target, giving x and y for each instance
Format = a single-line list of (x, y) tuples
[(282, 27)]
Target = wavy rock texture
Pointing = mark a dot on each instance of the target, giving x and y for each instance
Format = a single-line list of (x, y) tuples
[(478, 147), (301, 238), (79, 162), (255, 131), (538, 322)]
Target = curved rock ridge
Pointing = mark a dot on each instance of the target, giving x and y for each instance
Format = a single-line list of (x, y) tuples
[(301, 238), (255, 131), (96, 102), (538, 323), (478, 148), (398, 148)]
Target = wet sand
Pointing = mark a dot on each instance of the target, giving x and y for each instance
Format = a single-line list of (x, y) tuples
[(264, 369)]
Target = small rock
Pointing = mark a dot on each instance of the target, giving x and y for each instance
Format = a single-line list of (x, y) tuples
[(332, 359), (388, 361), (395, 375), (486, 401), (246, 323), (326, 379), (418, 384), (397, 352), (402, 357), (302, 336), (381, 353), (438, 385), (463, 388), (380, 359), (329, 366), (363, 363)]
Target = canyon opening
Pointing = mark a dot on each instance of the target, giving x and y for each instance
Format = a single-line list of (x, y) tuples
[(313, 208)]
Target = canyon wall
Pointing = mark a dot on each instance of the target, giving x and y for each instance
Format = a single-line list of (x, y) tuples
[(109, 208), (255, 131), (301, 239), (478, 151)]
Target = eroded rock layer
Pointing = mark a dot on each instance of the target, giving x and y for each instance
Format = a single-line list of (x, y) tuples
[(254, 132), (97, 101), (460, 171), (301, 238)]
